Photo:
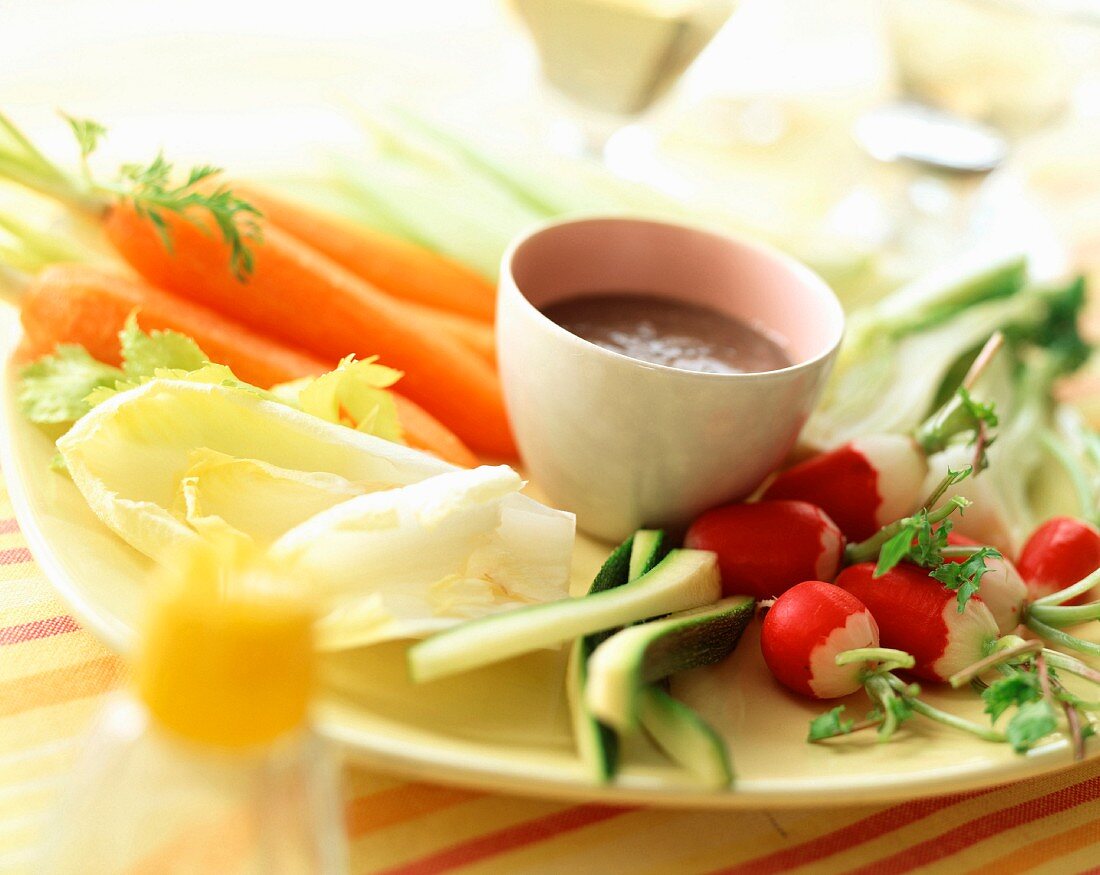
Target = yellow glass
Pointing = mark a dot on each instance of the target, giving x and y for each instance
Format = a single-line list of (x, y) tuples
[(226, 657)]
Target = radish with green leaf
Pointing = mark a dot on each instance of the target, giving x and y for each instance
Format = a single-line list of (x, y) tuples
[(822, 642), (806, 629), (1002, 588), (921, 616), (1062, 551), (766, 548), (867, 482)]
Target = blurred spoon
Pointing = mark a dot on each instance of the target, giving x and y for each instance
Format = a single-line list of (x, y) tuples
[(934, 139)]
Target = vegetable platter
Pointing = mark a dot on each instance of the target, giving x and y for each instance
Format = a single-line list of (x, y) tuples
[(435, 678)]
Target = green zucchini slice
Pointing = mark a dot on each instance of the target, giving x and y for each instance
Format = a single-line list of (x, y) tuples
[(685, 737), (625, 663), (683, 579)]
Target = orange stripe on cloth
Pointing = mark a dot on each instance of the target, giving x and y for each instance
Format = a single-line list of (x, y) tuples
[(60, 685), (1042, 851), (399, 805), (510, 839), (38, 629), (15, 556), (981, 828), (8, 526), (220, 844), (848, 837)]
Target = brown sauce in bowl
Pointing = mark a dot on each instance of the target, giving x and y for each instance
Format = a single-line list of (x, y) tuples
[(663, 331)]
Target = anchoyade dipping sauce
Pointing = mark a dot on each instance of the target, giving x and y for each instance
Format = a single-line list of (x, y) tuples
[(663, 331)]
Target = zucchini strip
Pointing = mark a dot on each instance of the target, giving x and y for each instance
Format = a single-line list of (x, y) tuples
[(597, 745), (685, 737), (684, 579), (622, 666)]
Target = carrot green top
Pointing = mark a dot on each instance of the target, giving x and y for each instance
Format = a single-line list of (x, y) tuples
[(152, 188)]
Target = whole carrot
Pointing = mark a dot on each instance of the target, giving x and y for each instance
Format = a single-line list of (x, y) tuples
[(471, 333), (206, 243), (424, 432), (88, 306), (396, 266), (302, 297)]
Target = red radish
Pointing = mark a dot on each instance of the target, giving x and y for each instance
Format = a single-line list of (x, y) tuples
[(985, 520), (1062, 551), (920, 616), (805, 630), (1002, 588), (766, 548), (862, 485)]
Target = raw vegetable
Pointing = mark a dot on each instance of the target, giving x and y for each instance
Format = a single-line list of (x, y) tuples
[(872, 480), (900, 353), (472, 333), (423, 431), (61, 387), (467, 197), (806, 629), (684, 579), (861, 485), (597, 746), (143, 460), (1003, 590), (79, 304), (293, 292), (1058, 554), (673, 726), (922, 540), (1005, 502), (394, 265), (822, 642), (345, 315), (461, 545), (440, 206), (921, 616), (1029, 688), (765, 548), (625, 663), (685, 737), (647, 548)]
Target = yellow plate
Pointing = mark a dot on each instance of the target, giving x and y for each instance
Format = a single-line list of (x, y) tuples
[(506, 728)]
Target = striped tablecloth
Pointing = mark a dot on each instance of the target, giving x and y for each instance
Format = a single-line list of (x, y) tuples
[(53, 675)]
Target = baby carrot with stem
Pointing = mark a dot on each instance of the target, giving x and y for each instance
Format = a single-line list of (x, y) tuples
[(266, 278)]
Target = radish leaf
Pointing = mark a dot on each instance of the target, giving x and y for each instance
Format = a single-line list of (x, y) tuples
[(1018, 688), (1031, 723), (965, 577), (830, 724)]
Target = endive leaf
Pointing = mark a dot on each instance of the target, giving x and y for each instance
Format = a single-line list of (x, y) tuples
[(129, 455), (394, 542), (463, 544), (254, 499)]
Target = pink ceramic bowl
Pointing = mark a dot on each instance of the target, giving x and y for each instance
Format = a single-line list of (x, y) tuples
[(626, 444)]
